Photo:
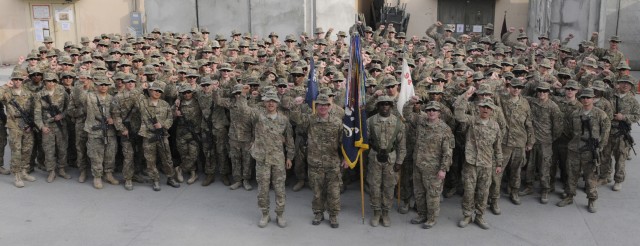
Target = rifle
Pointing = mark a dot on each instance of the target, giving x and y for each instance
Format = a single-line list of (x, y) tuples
[(158, 133), (27, 119), (104, 125), (188, 125), (3, 115), (591, 144), (126, 121), (624, 130), (53, 110)]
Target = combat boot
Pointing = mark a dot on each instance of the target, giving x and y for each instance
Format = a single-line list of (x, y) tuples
[(602, 181), (4, 171), (51, 177), (97, 182), (429, 224), (225, 180), (62, 173), (495, 209), (528, 190), (235, 185), (246, 185), (128, 184), (179, 176), (319, 217), (449, 193), (375, 220), (83, 176), (515, 199), (592, 206), (27, 177), (566, 201), (386, 221), (282, 223), (172, 182), (419, 220), (617, 186), (481, 223), (404, 207), (264, 220), (156, 185), (18, 182), (544, 197), (193, 176), (464, 222), (109, 178), (333, 221), (298, 186), (208, 180)]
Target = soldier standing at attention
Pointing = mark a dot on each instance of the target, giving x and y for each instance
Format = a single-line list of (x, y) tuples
[(386, 138), (432, 158), (50, 110), (101, 136), (589, 128), (483, 153), (324, 134), (273, 137), (20, 133), (127, 122), (156, 121), (188, 117), (77, 111)]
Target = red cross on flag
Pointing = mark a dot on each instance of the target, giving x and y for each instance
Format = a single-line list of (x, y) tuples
[(406, 86)]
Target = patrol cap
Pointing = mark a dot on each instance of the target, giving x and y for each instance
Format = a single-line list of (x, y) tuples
[(448, 68), (103, 80), (599, 85), (572, 84), (484, 89), (520, 68), (587, 92), (439, 77), (544, 86), (487, 102), (327, 91), (390, 81), (489, 26), (271, 96), (149, 69), (478, 76), (237, 88), (508, 75), (273, 34), (252, 80), (156, 87), (48, 39), (118, 75), (318, 30), (588, 61), (627, 79), (206, 81), (615, 39), (435, 90), (129, 78), (17, 75), (623, 66), (384, 99), (371, 82), (522, 36), (185, 88), (296, 70), (433, 105), (322, 99), (545, 63), (34, 70), (375, 67), (516, 82), (225, 67)]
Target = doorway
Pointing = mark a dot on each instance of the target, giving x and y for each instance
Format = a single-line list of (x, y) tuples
[(466, 16)]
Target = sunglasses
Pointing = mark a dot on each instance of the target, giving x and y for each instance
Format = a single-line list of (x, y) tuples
[(432, 110), (386, 104), (103, 85), (186, 92), (543, 91), (518, 87), (129, 82), (570, 89), (298, 75), (205, 85), (282, 86)]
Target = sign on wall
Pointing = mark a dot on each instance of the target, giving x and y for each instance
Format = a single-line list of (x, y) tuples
[(41, 11)]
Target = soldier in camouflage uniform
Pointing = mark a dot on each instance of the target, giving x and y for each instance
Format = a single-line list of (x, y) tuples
[(567, 104), (127, 122), (239, 137), (156, 121), (589, 128), (101, 141), (78, 112), (187, 112), (324, 135), (547, 120), (483, 157), (600, 90), (204, 98), (20, 133), (626, 113), (386, 138), (269, 127), (50, 110), (3, 138), (432, 158)]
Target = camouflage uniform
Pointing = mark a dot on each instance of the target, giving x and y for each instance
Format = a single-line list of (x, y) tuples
[(518, 135), (126, 117), (21, 141), (101, 154), (239, 137), (628, 106), (56, 139), (433, 153), (215, 134), (385, 134), (559, 160), (483, 154), (188, 133), (579, 157), (325, 137), (152, 146), (3, 134), (78, 112)]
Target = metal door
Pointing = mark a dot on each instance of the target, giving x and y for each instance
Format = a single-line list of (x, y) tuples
[(466, 16)]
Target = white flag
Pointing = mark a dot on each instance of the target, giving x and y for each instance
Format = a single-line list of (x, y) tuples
[(406, 86)]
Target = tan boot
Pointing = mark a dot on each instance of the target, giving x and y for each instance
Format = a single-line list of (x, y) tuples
[(568, 200), (18, 182), (495, 208), (464, 222), (235, 185), (179, 176), (208, 180), (333, 221), (282, 223), (62, 173), (51, 177), (592, 206), (83, 176), (386, 221), (128, 184), (97, 182), (246, 185), (225, 180), (109, 178), (481, 223), (4, 171), (27, 177), (264, 220), (375, 220), (298, 186), (192, 177)]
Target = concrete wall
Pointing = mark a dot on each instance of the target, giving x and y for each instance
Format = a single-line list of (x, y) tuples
[(91, 18), (425, 12), (173, 16), (626, 28)]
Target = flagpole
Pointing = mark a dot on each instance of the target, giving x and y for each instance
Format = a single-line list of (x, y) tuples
[(399, 182), (362, 186)]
